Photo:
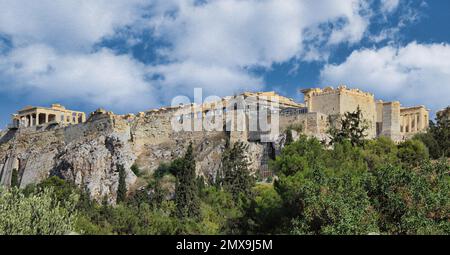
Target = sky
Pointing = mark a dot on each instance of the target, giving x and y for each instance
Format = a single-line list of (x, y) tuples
[(129, 56)]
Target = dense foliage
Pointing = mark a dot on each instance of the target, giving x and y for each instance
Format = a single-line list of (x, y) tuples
[(39, 213), (437, 139), (379, 188)]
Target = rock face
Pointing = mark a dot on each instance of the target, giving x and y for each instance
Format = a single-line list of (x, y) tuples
[(88, 153)]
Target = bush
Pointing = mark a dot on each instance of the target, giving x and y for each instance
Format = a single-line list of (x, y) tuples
[(430, 142), (379, 152), (381, 188), (265, 214), (135, 169), (36, 214), (412, 153), (413, 201)]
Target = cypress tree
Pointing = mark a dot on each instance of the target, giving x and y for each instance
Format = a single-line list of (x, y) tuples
[(235, 170), (186, 190), (15, 178), (122, 188), (289, 138)]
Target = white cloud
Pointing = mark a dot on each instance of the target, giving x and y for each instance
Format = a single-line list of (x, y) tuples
[(182, 78), (117, 82), (101, 78), (212, 44), (66, 24), (389, 5), (246, 33), (414, 74)]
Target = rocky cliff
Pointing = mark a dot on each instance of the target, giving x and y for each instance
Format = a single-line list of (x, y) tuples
[(88, 154)]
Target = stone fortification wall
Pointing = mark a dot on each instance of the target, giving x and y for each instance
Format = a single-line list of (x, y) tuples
[(330, 101)]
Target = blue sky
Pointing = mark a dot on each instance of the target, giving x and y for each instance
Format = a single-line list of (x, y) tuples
[(134, 55)]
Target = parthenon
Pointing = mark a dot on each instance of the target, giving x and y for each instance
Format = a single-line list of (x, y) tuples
[(55, 114)]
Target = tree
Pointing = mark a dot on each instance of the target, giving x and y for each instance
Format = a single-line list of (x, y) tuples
[(335, 204), (300, 155), (265, 213), (430, 142), (15, 178), (135, 169), (62, 189), (186, 188), (36, 214), (441, 133), (352, 126), (412, 201), (289, 138), (323, 191), (412, 153), (379, 152), (122, 187), (236, 177)]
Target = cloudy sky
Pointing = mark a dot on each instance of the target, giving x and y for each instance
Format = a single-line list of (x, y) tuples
[(133, 55)]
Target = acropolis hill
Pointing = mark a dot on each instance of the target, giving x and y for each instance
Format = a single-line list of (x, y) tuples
[(46, 141)]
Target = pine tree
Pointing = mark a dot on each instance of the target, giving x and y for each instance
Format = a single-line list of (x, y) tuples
[(15, 178), (186, 191), (122, 188), (236, 177), (441, 133), (352, 126), (289, 138)]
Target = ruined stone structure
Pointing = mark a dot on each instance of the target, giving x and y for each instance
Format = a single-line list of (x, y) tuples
[(387, 119), (338, 101), (35, 116), (88, 153), (413, 120)]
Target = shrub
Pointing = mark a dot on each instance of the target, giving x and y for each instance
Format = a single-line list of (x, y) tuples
[(36, 214)]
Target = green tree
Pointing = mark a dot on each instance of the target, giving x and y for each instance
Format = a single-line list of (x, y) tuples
[(265, 213), (186, 188), (15, 178), (300, 155), (122, 187), (336, 204), (135, 169), (323, 191), (412, 201), (36, 214), (62, 189), (379, 152), (441, 133), (289, 138), (430, 142), (412, 153), (236, 177), (352, 126)]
